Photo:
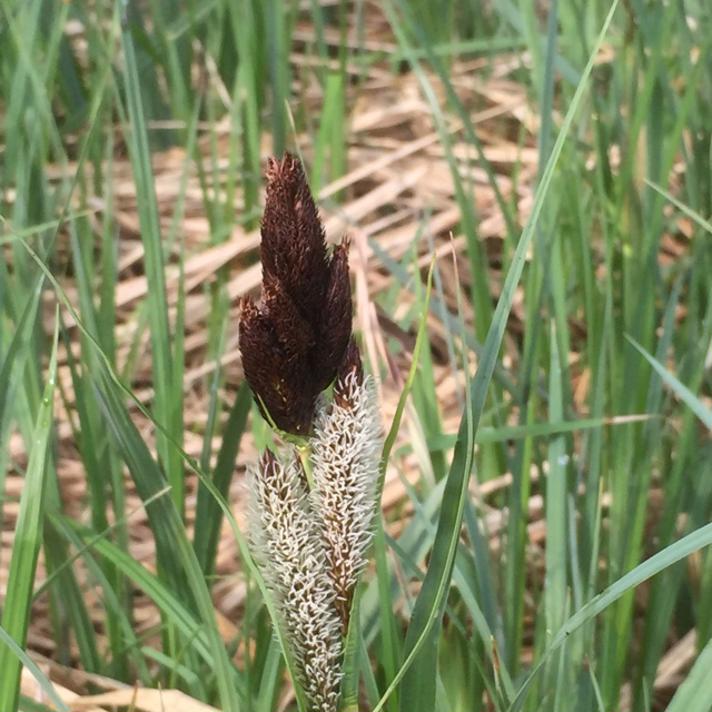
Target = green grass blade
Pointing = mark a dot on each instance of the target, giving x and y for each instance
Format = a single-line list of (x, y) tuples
[(692, 214), (680, 389), (695, 692), (26, 546), (420, 339), (140, 154), (17, 347), (208, 515), (162, 595), (487, 434), (7, 642), (555, 589)]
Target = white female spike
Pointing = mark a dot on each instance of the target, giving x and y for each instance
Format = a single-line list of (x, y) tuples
[(345, 456), (288, 549)]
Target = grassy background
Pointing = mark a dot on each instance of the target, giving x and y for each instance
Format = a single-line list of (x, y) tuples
[(548, 494)]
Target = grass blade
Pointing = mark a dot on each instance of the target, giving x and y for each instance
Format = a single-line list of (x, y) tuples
[(695, 693), (140, 154), (680, 389), (208, 515), (28, 536), (8, 643)]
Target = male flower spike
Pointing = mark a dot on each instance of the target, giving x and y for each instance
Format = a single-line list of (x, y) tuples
[(293, 341)]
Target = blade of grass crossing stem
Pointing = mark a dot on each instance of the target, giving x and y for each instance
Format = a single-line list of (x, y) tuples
[(26, 544), (670, 555), (418, 669), (140, 154), (55, 517), (693, 215), (7, 642), (16, 347), (165, 597), (129, 652), (208, 516), (680, 389)]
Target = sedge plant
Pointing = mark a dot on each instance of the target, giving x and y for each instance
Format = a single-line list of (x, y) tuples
[(311, 503)]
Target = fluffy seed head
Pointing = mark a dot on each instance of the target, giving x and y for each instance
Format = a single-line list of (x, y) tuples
[(346, 449), (288, 549)]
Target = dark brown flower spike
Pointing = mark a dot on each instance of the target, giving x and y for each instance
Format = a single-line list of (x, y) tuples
[(294, 339)]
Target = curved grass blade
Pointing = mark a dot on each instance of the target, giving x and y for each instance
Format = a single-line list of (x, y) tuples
[(162, 595), (670, 555), (693, 215), (487, 434), (44, 682), (680, 389)]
